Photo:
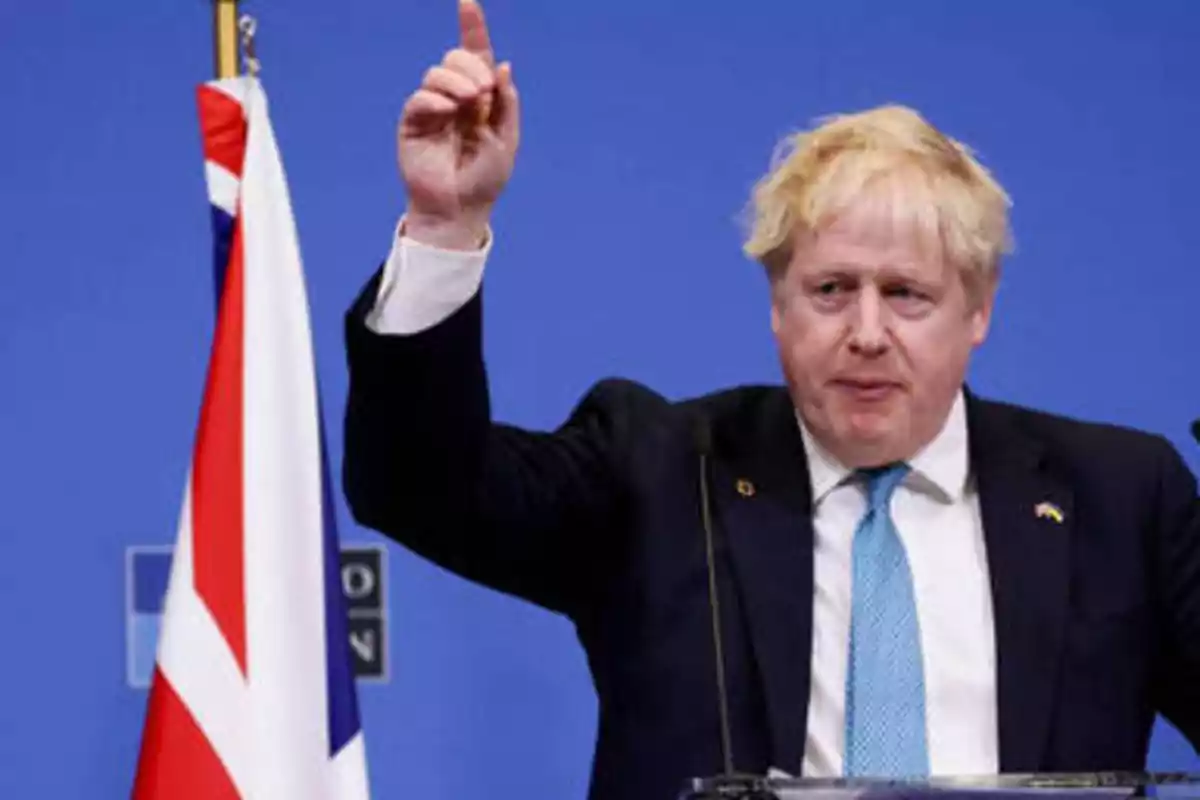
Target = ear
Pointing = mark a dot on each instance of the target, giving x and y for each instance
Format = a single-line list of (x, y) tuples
[(981, 316)]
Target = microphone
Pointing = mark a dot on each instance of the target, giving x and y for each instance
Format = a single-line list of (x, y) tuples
[(1196, 430), (702, 440)]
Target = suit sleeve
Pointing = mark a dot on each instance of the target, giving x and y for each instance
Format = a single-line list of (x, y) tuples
[(528, 513), (1178, 580)]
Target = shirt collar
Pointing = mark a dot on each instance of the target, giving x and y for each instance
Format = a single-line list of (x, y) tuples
[(824, 470), (940, 468)]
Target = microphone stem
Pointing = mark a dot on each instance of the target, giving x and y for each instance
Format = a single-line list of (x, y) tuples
[(715, 607)]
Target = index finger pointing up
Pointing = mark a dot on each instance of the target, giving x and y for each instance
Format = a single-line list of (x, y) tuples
[(473, 30)]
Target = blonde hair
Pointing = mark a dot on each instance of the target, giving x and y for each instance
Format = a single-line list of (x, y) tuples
[(934, 181)]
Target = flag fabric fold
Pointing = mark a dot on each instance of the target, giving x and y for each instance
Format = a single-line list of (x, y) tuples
[(253, 694)]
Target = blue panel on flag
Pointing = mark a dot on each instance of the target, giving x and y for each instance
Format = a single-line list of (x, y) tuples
[(343, 715), (151, 571), (222, 225)]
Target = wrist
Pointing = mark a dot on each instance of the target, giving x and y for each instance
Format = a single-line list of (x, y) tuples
[(467, 232)]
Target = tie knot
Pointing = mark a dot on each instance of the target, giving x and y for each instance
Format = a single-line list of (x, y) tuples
[(882, 482)]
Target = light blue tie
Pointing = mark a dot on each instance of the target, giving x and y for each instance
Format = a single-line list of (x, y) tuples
[(885, 680)]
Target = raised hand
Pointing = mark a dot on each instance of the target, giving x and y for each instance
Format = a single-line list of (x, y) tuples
[(457, 139)]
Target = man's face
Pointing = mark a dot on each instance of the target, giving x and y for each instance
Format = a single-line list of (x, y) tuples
[(875, 332)]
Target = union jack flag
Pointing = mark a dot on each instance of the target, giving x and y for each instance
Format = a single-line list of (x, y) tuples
[(253, 695)]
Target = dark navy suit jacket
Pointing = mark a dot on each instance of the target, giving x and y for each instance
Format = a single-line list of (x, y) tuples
[(1097, 617)]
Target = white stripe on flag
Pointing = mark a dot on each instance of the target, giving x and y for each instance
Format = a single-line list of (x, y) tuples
[(195, 658), (348, 773), (223, 187), (285, 602)]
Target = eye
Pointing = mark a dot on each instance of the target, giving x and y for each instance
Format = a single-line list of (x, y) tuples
[(904, 291), (832, 286), (909, 300)]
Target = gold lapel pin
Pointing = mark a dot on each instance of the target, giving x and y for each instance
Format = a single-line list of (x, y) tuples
[(1047, 510), (745, 488)]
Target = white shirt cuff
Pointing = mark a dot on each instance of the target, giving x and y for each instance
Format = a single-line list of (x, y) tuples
[(423, 286)]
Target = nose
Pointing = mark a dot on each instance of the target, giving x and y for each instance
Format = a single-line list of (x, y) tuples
[(868, 331)]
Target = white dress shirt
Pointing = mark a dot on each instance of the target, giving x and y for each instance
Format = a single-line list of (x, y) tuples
[(936, 512)]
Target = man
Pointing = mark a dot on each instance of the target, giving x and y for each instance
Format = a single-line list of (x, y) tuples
[(911, 580)]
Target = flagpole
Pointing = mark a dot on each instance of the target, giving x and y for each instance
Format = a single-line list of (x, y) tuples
[(225, 37)]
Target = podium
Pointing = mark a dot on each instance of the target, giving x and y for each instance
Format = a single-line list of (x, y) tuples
[(1093, 786)]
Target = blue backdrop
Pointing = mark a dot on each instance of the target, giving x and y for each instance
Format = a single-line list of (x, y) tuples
[(646, 123)]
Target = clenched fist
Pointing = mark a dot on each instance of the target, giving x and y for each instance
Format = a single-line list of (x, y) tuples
[(457, 140)]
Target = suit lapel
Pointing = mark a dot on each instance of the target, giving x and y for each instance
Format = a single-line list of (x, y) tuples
[(1027, 520), (762, 501)]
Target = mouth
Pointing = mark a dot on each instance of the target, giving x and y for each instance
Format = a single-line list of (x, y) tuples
[(867, 390)]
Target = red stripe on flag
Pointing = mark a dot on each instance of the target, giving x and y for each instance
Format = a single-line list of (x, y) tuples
[(223, 126), (177, 761), (218, 561)]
